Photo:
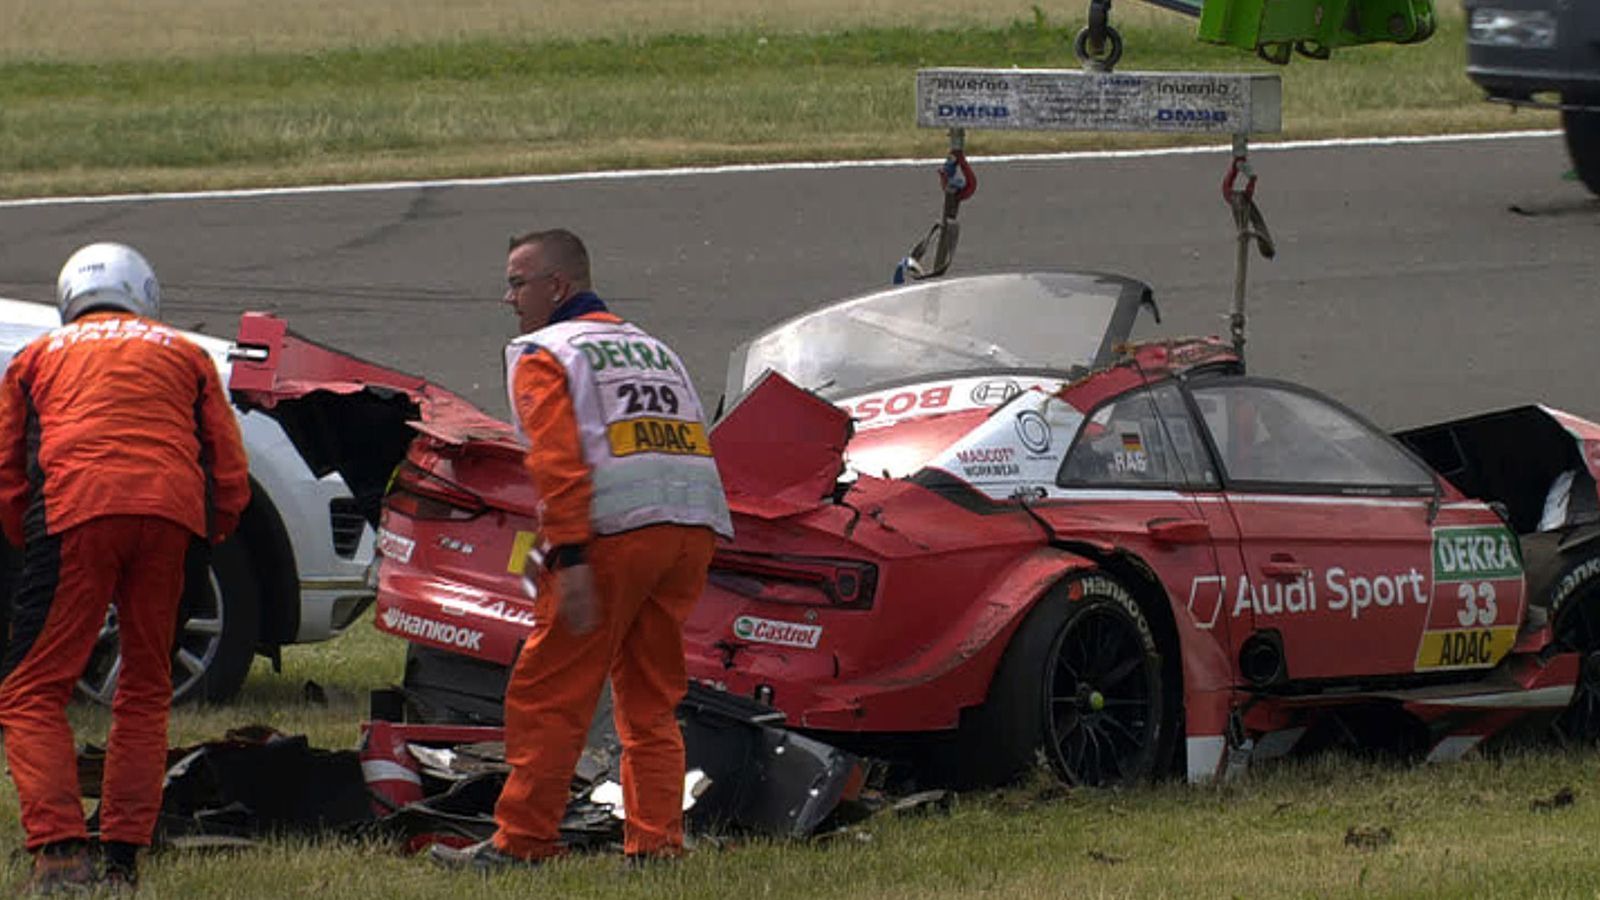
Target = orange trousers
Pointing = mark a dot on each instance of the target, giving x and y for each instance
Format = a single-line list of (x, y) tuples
[(67, 582), (646, 582)]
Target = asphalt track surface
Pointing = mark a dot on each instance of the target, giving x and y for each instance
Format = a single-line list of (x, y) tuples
[(1415, 281)]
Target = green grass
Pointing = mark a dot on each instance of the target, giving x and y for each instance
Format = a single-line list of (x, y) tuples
[(1313, 829), (1470, 829), (485, 106)]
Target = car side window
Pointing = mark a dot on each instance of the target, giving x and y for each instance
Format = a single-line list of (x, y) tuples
[(1145, 438), (1272, 434)]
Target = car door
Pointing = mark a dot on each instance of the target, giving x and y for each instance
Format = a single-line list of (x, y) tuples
[(1138, 474), (1338, 530)]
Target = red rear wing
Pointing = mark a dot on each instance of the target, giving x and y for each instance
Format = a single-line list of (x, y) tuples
[(272, 364)]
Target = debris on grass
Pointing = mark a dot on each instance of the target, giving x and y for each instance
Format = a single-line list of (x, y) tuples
[(1368, 838), (1561, 798), (1104, 858)]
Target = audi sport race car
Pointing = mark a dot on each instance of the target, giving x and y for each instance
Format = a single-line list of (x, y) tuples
[(974, 525), (295, 572)]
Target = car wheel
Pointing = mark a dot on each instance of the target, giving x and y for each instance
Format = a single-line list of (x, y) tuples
[(1575, 612), (1582, 128), (215, 645), (1082, 685)]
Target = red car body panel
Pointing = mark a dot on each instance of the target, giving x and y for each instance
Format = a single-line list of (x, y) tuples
[(893, 540), (780, 449)]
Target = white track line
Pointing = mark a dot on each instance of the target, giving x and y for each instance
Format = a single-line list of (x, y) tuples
[(764, 167)]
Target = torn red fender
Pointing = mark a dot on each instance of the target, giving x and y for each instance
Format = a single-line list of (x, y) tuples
[(272, 364), (780, 449)]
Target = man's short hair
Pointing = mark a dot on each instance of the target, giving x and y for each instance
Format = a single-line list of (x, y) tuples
[(563, 251)]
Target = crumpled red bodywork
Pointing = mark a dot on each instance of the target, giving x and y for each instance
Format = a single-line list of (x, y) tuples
[(891, 552)]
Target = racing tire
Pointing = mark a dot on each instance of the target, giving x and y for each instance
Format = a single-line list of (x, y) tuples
[(216, 639), (1575, 616), (1082, 685), (1582, 129)]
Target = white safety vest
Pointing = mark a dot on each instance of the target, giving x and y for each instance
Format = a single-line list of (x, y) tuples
[(640, 426)]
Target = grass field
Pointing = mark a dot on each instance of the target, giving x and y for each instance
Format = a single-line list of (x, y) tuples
[(491, 89), (1327, 827), (97, 30)]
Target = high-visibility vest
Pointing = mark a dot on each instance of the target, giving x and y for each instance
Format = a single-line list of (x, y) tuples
[(640, 425)]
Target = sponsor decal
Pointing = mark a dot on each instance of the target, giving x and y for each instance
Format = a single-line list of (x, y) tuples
[(1206, 596), (986, 454), (455, 545), (994, 392), (1200, 89), (1465, 648), (1572, 580), (1467, 562), (988, 462), (493, 609), (1033, 431), (520, 545), (976, 83), (395, 546), (1486, 553), (1340, 590), (773, 631), (615, 354), (656, 435), (1213, 116), (998, 470), (900, 403), (974, 111), (404, 623)]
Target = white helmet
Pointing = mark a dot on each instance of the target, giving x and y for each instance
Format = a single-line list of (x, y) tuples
[(101, 275)]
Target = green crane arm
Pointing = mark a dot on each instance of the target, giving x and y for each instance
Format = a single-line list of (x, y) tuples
[(1314, 28)]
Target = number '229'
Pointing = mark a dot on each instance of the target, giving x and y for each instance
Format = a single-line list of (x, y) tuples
[(647, 398)]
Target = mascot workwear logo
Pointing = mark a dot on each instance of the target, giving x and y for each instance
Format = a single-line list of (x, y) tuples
[(772, 631), (409, 625)]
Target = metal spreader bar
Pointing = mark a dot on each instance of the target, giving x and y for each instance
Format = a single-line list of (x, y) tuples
[(1069, 100), (1097, 99)]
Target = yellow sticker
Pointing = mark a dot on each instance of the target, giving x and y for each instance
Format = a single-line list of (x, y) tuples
[(650, 435), (524, 541), (1465, 648)]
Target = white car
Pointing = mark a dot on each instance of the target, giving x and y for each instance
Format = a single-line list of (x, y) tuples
[(295, 572)]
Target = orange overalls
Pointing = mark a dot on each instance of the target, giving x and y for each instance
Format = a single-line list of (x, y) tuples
[(117, 447), (646, 581)]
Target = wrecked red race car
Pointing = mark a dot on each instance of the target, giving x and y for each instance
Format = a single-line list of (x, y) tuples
[(974, 527)]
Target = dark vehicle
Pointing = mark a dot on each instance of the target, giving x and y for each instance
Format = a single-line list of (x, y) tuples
[(1543, 53)]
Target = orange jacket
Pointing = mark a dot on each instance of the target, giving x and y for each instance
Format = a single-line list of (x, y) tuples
[(118, 415), (555, 457)]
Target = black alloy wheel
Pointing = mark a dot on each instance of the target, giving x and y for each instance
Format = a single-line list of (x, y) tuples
[(1577, 627), (1104, 694)]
